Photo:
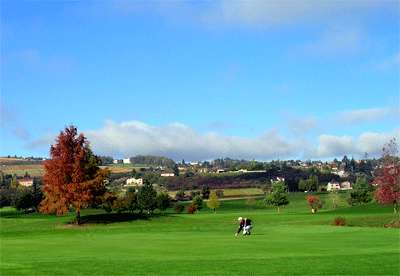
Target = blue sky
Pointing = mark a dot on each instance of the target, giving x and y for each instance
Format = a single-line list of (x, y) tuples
[(201, 79)]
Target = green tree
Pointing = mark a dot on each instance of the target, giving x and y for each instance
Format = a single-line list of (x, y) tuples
[(146, 198), (25, 200), (205, 192), (310, 184), (278, 196), (176, 170), (334, 198), (213, 202), (361, 193), (131, 200), (14, 182), (163, 201), (198, 202)]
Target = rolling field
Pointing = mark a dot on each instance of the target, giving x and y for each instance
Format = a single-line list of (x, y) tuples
[(290, 243), (20, 170)]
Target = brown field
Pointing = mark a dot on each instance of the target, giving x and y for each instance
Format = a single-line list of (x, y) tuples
[(20, 170), (5, 160), (123, 168)]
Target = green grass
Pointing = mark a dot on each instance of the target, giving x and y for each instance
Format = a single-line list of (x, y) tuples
[(290, 243)]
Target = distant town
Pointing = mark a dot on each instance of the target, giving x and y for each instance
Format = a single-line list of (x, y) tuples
[(219, 173)]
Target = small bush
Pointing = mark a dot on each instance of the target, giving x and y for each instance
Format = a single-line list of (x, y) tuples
[(219, 193), (191, 209), (339, 221), (197, 202), (179, 208)]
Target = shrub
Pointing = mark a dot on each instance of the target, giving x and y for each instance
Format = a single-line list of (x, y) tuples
[(163, 201), (219, 193), (193, 194), (213, 202), (314, 202), (339, 221), (191, 209), (179, 208), (205, 192), (198, 202), (180, 195)]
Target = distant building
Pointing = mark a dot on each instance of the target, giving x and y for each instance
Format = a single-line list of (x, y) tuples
[(27, 182), (333, 186), (167, 174), (220, 171), (134, 182), (117, 161), (277, 179), (126, 161), (346, 185), (204, 170), (340, 173)]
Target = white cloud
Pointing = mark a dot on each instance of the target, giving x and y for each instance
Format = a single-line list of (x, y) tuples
[(330, 145), (180, 141), (358, 116), (367, 142)]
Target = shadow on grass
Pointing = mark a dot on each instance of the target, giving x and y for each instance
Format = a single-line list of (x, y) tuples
[(115, 217)]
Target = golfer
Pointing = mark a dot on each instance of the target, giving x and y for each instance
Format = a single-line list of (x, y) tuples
[(241, 225), (247, 226)]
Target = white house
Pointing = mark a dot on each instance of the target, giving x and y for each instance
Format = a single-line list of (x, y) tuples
[(27, 182), (126, 160), (332, 186), (133, 182), (340, 173), (278, 179), (346, 185), (117, 161), (166, 174)]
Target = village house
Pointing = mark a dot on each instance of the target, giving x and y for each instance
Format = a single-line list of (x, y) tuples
[(333, 186), (26, 182), (126, 161), (167, 174), (134, 182), (346, 185)]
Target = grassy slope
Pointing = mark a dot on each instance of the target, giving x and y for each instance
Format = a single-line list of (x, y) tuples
[(293, 242)]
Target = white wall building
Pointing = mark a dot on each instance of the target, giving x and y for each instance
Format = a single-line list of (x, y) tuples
[(332, 186), (27, 182), (133, 182), (346, 185), (126, 160), (167, 174)]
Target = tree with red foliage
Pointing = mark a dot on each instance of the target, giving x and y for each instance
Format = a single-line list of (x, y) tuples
[(72, 177), (388, 177), (314, 202)]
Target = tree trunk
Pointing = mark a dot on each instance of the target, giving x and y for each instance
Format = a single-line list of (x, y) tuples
[(78, 217), (279, 210)]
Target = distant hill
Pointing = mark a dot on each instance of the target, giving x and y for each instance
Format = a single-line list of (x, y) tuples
[(152, 160)]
